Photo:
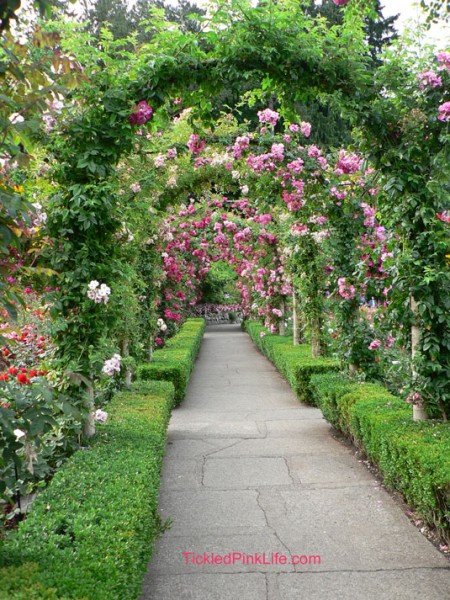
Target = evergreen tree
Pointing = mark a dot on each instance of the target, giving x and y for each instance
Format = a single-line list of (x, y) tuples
[(115, 15), (329, 128), (124, 21), (379, 31)]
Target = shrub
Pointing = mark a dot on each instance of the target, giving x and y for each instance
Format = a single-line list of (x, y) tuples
[(294, 362), (176, 360), (91, 532), (413, 457)]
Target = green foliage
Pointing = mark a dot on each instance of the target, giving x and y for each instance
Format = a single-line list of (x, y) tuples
[(142, 20), (31, 73), (91, 532), (49, 425), (410, 147), (436, 9), (219, 285), (9, 8), (175, 362), (294, 362), (412, 456)]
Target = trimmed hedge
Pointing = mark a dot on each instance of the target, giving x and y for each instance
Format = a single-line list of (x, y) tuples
[(294, 362), (176, 360), (414, 457), (90, 534)]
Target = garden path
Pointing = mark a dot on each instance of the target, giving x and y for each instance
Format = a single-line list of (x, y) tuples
[(249, 469)]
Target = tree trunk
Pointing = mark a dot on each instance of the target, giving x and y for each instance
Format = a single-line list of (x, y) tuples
[(316, 340), (89, 424), (296, 322), (415, 330), (418, 413), (281, 325), (126, 354), (150, 350)]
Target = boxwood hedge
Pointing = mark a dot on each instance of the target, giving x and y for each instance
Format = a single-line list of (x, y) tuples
[(413, 456), (176, 360), (294, 362), (90, 533)]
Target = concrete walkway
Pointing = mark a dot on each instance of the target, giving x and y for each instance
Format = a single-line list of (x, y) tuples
[(249, 470)]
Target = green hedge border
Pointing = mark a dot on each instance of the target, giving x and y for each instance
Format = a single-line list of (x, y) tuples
[(91, 532), (412, 456), (176, 360), (294, 362)]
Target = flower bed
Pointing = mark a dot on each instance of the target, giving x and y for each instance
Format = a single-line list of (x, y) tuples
[(412, 456), (91, 532), (176, 360), (294, 362)]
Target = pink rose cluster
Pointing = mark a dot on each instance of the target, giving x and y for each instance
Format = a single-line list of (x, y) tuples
[(369, 214), (374, 345), (443, 59), (345, 290), (443, 217), (100, 416), (143, 114), (304, 128), (172, 316), (242, 143), (429, 79), (268, 116), (348, 163), (444, 112), (341, 2), (195, 144), (112, 365)]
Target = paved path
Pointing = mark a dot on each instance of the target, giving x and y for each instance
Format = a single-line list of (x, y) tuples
[(250, 470)]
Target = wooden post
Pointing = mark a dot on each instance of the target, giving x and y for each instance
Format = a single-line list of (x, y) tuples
[(282, 326), (316, 338), (295, 320), (89, 424), (125, 354), (418, 413)]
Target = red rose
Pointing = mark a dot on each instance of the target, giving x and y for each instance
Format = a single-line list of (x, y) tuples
[(22, 378), (23, 370), (32, 373), (13, 370), (41, 373), (4, 377)]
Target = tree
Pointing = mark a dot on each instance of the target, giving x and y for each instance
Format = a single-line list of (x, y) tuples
[(114, 15), (380, 32), (330, 128), (437, 9), (9, 8), (124, 21)]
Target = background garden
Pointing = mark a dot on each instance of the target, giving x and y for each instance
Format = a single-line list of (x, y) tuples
[(285, 163)]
